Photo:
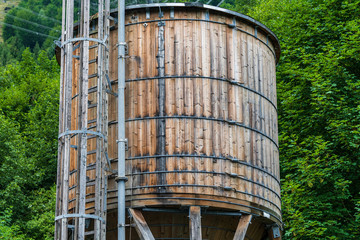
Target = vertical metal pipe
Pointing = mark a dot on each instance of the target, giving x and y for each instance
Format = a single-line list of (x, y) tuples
[(121, 120)]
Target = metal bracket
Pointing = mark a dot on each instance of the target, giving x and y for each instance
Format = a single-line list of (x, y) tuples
[(276, 231), (108, 81), (81, 132), (112, 93), (80, 216), (103, 42), (113, 19), (147, 13), (267, 215), (57, 43), (172, 13), (108, 160)]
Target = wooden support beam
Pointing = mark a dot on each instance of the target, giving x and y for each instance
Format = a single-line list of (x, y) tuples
[(141, 226), (195, 223), (242, 227)]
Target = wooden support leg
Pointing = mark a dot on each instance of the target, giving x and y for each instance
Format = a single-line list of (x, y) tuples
[(195, 223), (242, 227), (141, 226)]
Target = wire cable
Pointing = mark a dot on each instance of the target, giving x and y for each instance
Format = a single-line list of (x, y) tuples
[(41, 15), (33, 23), (27, 30)]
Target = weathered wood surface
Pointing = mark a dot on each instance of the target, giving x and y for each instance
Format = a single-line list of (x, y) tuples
[(220, 115), (217, 141), (195, 222)]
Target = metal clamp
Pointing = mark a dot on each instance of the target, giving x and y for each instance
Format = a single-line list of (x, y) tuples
[(121, 44), (123, 179), (123, 140)]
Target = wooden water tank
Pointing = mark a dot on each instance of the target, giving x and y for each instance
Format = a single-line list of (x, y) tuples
[(201, 119)]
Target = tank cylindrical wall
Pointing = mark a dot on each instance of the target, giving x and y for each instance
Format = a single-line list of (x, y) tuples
[(201, 117)]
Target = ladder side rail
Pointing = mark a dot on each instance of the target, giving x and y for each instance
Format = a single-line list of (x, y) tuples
[(84, 58), (99, 113), (104, 99)]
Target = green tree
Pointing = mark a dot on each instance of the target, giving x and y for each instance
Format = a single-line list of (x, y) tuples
[(319, 114), (28, 130)]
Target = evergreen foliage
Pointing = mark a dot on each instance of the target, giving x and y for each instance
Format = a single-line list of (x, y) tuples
[(28, 144), (319, 114)]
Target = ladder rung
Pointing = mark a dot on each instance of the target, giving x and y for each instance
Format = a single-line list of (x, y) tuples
[(92, 105), (90, 200), (92, 121), (93, 46), (92, 89), (93, 75), (92, 60), (90, 184), (89, 233), (112, 122), (92, 127), (91, 152)]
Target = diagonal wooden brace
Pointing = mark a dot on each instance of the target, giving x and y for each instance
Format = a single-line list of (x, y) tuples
[(141, 226), (242, 227)]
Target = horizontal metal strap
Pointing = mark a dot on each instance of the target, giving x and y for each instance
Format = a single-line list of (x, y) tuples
[(207, 186), (230, 122), (82, 132), (207, 21), (208, 172), (75, 215), (205, 77), (238, 161), (204, 211), (103, 42), (203, 199), (186, 225)]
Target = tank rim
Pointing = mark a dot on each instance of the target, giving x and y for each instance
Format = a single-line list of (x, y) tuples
[(248, 19)]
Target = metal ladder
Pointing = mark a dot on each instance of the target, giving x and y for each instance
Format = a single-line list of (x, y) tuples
[(81, 208)]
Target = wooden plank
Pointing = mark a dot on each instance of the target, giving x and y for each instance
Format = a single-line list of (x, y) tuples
[(242, 227), (141, 226), (195, 222)]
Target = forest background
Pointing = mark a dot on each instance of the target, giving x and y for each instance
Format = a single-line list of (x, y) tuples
[(318, 81)]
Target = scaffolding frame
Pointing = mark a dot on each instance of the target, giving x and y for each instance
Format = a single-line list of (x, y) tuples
[(73, 222)]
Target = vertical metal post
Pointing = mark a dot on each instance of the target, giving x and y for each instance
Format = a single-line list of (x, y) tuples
[(121, 179), (61, 127)]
